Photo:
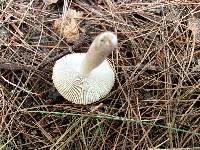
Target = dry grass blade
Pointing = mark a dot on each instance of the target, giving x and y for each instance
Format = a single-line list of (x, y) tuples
[(62, 146)]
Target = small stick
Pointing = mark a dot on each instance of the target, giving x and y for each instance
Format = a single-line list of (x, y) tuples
[(17, 29), (16, 66)]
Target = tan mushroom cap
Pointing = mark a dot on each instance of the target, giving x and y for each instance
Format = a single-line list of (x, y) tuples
[(79, 90)]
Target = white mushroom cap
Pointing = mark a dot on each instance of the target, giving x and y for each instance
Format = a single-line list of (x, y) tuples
[(81, 90), (93, 86)]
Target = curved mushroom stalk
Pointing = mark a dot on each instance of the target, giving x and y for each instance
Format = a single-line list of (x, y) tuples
[(100, 48)]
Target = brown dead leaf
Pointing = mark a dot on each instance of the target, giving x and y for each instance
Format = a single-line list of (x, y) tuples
[(68, 26), (160, 57)]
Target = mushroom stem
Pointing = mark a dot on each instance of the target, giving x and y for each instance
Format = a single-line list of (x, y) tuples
[(100, 48), (91, 61)]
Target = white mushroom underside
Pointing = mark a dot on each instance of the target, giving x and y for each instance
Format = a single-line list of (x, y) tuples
[(80, 90)]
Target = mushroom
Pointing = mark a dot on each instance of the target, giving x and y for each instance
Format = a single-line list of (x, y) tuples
[(85, 78)]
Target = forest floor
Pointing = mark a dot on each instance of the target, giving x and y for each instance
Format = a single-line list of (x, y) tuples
[(155, 101)]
